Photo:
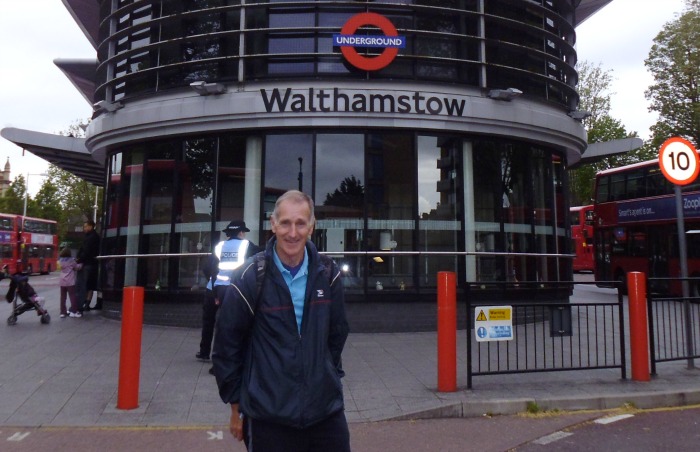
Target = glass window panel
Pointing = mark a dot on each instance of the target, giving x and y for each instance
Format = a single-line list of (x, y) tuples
[(438, 225), (238, 184), (193, 209), (340, 198), (333, 19), (390, 204), (284, 45), (602, 189), (288, 20), (130, 199), (543, 218), (159, 190), (288, 166), (111, 272), (617, 187), (231, 184), (488, 174)]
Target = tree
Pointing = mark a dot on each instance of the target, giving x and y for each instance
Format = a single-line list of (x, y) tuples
[(674, 62), (594, 91), (350, 193), (46, 203), (13, 200), (74, 197)]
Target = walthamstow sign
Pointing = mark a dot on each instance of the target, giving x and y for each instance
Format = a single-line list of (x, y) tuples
[(391, 42), (337, 100)]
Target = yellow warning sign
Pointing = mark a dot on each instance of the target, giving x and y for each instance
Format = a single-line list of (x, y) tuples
[(499, 314), (481, 317)]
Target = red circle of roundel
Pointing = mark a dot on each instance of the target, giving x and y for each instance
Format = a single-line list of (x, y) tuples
[(374, 63)]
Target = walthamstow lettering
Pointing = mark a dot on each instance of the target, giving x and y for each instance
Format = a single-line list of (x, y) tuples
[(322, 100)]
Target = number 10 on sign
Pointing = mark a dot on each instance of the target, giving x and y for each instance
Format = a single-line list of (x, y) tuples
[(678, 160)]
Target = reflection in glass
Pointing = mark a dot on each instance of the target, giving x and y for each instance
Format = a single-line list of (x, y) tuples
[(512, 212), (437, 205), (340, 199), (158, 211), (390, 209), (130, 198), (288, 166), (193, 209)]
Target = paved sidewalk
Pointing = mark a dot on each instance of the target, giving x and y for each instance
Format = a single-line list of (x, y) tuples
[(66, 374)]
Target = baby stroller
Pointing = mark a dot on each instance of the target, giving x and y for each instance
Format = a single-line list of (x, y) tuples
[(21, 292)]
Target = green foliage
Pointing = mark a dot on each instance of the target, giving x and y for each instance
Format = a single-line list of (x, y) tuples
[(74, 198), (533, 407), (594, 89), (63, 197), (674, 62), (13, 200)]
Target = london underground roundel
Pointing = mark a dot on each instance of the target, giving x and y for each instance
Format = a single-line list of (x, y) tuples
[(679, 161), (391, 42)]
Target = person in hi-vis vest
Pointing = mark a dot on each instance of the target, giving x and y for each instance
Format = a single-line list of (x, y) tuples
[(228, 255)]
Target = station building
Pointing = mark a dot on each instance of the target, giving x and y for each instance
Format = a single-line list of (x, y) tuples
[(432, 135)]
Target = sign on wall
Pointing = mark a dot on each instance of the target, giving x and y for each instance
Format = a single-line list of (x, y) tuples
[(348, 41)]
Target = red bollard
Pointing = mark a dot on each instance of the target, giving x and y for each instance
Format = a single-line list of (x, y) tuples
[(447, 331), (639, 330), (130, 352)]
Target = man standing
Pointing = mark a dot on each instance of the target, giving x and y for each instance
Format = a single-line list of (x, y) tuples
[(279, 339), (228, 255), (86, 281)]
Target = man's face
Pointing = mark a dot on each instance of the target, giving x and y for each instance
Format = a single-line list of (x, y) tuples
[(292, 228), (87, 228)]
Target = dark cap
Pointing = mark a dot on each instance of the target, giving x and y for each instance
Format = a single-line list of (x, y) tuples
[(235, 227)]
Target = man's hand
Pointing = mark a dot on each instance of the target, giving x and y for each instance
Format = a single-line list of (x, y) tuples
[(236, 425)]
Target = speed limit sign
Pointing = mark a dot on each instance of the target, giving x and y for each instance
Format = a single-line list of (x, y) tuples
[(678, 160)]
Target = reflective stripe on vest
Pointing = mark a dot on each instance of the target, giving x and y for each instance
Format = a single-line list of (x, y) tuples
[(229, 259)]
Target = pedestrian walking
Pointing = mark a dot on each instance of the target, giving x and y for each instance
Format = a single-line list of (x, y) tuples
[(280, 334)]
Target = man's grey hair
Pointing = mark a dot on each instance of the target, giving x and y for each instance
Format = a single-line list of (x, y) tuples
[(297, 197)]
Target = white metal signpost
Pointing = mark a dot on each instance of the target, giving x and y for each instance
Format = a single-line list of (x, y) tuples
[(678, 160)]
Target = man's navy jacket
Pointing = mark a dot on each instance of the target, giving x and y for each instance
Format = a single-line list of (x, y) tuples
[(262, 362)]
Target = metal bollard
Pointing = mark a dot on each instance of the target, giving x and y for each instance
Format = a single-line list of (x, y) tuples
[(130, 351), (639, 330), (447, 331)]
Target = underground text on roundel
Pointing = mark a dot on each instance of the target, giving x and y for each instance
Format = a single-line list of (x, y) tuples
[(335, 100)]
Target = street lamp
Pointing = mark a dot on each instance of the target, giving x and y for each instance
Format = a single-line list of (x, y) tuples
[(26, 190)]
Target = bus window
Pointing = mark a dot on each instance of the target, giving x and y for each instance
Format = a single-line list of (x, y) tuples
[(602, 189), (617, 187)]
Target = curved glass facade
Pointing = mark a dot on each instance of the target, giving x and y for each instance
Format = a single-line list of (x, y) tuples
[(425, 165), (380, 196), (149, 46)]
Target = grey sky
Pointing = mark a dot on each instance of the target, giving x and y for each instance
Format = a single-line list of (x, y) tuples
[(35, 95)]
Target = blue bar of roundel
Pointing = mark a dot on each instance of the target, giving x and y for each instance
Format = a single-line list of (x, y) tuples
[(398, 42)]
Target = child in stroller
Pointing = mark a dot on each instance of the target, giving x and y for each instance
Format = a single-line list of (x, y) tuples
[(22, 290)]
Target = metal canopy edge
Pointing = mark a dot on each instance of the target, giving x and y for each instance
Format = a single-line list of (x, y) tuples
[(598, 151), (67, 153)]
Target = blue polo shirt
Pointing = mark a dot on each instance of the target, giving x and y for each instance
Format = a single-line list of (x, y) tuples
[(296, 284)]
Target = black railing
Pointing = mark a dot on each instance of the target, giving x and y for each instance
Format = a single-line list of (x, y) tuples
[(550, 337), (674, 323)]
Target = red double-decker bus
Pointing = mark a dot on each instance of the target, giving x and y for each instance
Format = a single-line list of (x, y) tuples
[(27, 244), (581, 219), (635, 226)]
